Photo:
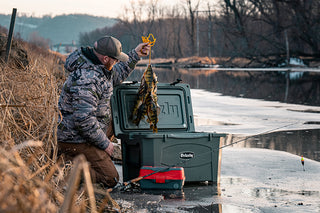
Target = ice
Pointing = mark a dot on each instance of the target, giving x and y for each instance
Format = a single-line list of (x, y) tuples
[(269, 180), (235, 115), (252, 179)]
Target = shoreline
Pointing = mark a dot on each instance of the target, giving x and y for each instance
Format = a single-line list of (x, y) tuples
[(222, 62)]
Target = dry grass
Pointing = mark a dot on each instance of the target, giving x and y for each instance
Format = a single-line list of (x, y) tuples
[(32, 179), (182, 61)]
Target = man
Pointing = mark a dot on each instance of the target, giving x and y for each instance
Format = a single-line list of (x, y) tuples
[(85, 126)]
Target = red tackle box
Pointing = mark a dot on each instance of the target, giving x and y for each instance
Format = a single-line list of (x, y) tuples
[(166, 178)]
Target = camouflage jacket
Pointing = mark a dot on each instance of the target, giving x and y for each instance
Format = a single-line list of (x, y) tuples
[(85, 99)]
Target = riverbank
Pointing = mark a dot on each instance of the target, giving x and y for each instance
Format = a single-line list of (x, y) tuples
[(227, 62)]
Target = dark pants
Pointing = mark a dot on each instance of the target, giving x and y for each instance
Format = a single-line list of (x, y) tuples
[(102, 169)]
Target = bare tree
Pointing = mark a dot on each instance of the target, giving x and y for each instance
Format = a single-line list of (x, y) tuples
[(173, 35), (190, 20), (237, 28), (306, 25), (299, 18)]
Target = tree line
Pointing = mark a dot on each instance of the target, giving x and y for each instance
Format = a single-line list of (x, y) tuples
[(254, 29)]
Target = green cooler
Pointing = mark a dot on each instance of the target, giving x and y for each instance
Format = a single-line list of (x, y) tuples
[(175, 144)]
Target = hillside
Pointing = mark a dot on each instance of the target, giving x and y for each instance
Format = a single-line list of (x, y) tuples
[(63, 29)]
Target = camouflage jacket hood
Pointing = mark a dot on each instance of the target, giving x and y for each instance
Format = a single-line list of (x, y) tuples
[(85, 99), (77, 60)]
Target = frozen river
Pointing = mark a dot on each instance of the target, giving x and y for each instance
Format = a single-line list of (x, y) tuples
[(252, 179), (234, 115), (255, 180), (259, 124)]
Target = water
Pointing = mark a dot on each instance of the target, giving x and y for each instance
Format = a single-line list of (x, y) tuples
[(299, 142), (250, 181), (302, 88), (260, 85)]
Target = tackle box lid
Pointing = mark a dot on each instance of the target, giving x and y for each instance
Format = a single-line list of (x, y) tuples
[(162, 177), (170, 173), (175, 109)]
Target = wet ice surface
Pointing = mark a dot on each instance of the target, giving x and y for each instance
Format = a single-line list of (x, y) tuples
[(252, 179), (269, 181), (216, 113)]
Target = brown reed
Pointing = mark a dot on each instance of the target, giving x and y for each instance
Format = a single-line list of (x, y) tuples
[(32, 178)]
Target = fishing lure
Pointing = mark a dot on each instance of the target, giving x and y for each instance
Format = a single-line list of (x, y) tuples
[(302, 162), (150, 42)]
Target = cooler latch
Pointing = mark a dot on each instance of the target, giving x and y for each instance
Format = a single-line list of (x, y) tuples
[(164, 138)]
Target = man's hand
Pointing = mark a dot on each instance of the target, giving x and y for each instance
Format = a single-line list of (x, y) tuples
[(143, 49), (109, 149)]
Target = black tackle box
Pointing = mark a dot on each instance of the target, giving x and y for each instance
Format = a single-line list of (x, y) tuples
[(175, 144)]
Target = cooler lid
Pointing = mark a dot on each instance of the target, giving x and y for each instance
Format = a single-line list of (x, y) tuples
[(175, 108)]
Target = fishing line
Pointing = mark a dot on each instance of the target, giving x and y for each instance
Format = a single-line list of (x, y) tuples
[(184, 161), (244, 139), (269, 131)]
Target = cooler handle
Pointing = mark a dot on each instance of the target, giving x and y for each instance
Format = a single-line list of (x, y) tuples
[(188, 136)]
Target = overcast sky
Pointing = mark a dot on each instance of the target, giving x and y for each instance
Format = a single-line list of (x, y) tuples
[(106, 8)]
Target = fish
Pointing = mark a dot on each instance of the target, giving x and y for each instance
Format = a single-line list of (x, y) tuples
[(153, 111), (147, 100)]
